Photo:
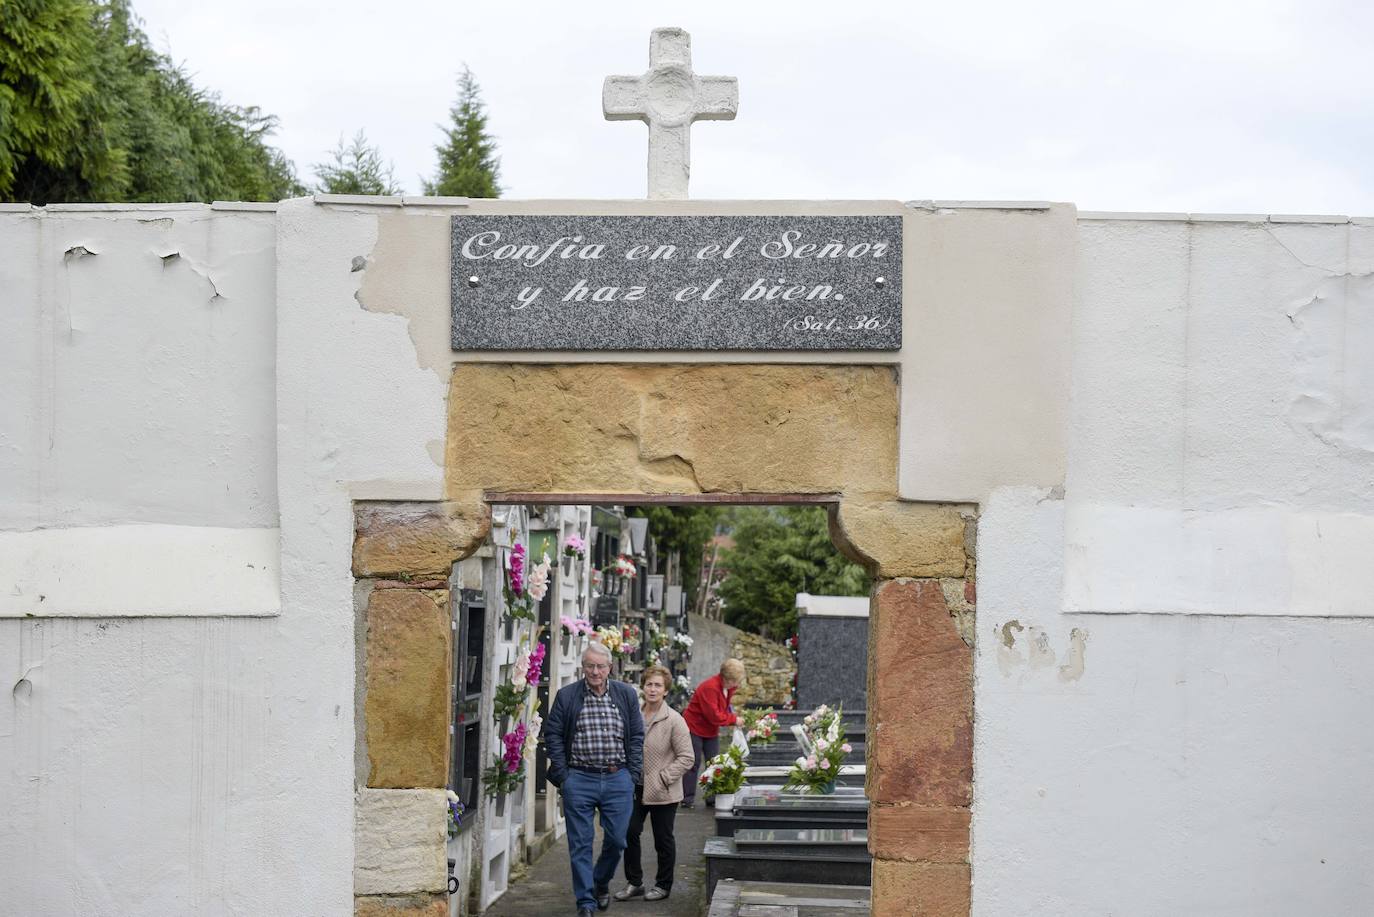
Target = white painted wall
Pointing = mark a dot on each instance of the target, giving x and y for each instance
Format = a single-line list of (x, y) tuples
[(1211, 760), (1209, 765), (1204, 761), (1222, 441), (138, 370)]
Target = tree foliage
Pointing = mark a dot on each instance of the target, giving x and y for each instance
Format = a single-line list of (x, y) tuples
[(779, 552), (686, 530), (90, 112), (468, 164), (356, 168)]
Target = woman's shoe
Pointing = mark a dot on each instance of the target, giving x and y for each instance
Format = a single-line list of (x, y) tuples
[(634, 891), (655, 894)]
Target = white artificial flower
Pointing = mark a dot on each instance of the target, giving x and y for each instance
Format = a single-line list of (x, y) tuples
[(537, 580)]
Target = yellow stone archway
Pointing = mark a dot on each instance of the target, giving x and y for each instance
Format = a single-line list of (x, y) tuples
[(575, 432)]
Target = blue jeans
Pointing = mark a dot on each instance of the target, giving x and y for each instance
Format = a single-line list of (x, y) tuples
[(583, 794)]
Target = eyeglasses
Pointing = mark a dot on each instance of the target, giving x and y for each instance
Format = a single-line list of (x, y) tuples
[(596, 666)]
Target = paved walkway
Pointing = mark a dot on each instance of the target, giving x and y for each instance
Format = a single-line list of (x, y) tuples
[(546, 889)]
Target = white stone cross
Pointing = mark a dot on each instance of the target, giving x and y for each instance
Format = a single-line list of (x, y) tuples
[(669, 98)]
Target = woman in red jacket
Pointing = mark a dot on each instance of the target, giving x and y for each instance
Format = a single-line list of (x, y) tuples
[(707, 711)]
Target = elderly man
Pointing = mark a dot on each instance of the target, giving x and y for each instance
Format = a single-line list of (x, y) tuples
[(594, 736)]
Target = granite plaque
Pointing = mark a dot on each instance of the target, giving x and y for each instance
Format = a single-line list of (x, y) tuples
[(677, 282)]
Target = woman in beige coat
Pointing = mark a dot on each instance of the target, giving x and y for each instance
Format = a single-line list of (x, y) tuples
[(667, 756)]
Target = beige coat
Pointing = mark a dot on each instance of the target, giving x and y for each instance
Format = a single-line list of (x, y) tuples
[(667, 756)]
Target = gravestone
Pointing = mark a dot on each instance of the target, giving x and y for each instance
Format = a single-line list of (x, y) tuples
[(734, 898), (832, 652), (832, 856), (764, 807)]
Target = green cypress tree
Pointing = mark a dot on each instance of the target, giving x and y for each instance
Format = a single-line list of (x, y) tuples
[(468, 165), (356, 168)]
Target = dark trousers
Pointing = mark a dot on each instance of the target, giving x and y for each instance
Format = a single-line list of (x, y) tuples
[(704, 748), (661, 817)]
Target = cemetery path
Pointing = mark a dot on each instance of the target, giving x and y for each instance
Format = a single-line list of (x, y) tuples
[(546, 888)]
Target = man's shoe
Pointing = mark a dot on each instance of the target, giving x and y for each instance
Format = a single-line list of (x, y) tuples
[(655, 894), (630, 891), (686, 804), (603, 898), (585, 912)]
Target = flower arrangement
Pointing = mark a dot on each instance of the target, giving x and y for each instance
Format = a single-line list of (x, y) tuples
[(724, 773), (519, 603), (505, 774), (509, 698), (630, 637), (573, 627), (538, 583), (455, 814), (623, 565), (759, 726), (679, 692), (574, 547), (682, 642), (819, 721), (816, 772), (611, 638)]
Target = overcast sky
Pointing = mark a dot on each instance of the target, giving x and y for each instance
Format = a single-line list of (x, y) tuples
[(1254, 107)]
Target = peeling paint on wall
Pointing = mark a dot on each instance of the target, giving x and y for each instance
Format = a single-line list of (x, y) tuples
[(1033, 654)]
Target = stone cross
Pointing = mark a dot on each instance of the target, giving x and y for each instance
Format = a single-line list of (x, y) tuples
[(669, 98)]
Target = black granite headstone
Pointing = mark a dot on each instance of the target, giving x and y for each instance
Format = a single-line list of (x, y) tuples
[(832, 662)]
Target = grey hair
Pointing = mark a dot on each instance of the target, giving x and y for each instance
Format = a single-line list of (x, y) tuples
[(598, 649)]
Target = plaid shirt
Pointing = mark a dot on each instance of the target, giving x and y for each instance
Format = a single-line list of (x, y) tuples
[(599, 737)]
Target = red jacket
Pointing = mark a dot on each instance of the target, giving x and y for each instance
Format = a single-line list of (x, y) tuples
[(709, 708)]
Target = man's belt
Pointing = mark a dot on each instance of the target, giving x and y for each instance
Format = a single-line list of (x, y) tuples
[(598, 769)]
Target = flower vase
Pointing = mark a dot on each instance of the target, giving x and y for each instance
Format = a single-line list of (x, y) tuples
[(567, 565), (500, 805), (725, 802), (826, 789), (567, 646)]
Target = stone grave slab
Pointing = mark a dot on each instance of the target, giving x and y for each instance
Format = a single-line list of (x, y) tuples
[(841, 858), (813, 841), (782, 810), (734, 898)]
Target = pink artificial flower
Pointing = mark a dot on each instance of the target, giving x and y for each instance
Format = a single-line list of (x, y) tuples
[(846, 748), (536, 664), (517, 570), (515, 748)]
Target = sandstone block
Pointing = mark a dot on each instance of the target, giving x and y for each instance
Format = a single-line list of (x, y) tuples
[(416, 540), (666, 428), (406, 712), (895, 539), (903, 889), (401, 906), (934, 834), (399, 842), (920, 699)]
